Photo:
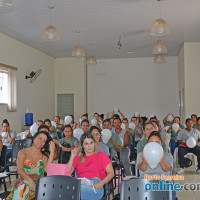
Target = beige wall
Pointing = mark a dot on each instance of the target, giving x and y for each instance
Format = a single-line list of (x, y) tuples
[(134, 85), (37, 97), (192, 80), (70, 77)]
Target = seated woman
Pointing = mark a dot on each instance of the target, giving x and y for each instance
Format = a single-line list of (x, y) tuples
[(57, 148), (173, 142), (95, 166), (165, 164), (69, 142), (8, 139), (100, 146), (32, 162)]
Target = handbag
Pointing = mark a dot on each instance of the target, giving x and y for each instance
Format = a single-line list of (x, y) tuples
[(58, 169)]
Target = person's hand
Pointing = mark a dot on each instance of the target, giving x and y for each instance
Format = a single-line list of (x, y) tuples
[(162, 159), (74, 152), (144, 159), (98, 185), (111, 140), (32, 185), (51, 146)]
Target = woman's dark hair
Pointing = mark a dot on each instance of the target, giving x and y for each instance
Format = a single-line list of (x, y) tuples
[(93, 128), (85, 115), (102, 116), (125, 119), (154, 133), (47, 120), (144, 119), (5, 121), (194, 115), (178, 118), (156, 122), (106, 120), (118, 119), (45, 149), (85, 120), (57, 116), (198, 119), (43, 126), (116, 116), (68, 126), (96, 114)]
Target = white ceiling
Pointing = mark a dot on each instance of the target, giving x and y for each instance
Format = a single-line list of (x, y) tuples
[(102, 22)]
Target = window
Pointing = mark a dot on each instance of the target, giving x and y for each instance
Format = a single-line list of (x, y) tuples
[(8, 86), (3, 86)]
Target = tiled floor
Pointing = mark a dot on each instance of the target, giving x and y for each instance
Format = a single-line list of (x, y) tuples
[(189, 177)]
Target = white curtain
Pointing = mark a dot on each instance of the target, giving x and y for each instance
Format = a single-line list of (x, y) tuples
[(12, 90)]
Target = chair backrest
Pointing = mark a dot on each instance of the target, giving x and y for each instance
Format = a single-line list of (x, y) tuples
[(3, 158), (135, 189), (58, 187), (20, 144)]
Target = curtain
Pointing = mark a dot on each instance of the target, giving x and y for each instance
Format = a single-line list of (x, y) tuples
[(12, 90)]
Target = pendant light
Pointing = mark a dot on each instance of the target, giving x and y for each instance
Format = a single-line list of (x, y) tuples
[(51, 33), (159, 58), (91, 60), (159, 48), (160, 27), (6, 5), (78, 50)]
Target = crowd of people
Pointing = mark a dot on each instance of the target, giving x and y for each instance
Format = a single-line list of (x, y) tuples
[(92, 159)]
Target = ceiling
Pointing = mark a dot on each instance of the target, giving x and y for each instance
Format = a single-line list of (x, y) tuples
[(101, 23)]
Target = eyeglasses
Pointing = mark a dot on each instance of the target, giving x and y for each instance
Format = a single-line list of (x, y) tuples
[(95, 134)]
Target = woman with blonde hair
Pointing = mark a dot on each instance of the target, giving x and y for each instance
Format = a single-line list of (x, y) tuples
[(96, 167)]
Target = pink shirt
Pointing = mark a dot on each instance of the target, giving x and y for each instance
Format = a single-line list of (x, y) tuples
[(93, 166)]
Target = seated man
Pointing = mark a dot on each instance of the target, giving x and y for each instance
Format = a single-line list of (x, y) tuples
[(115, 142), (183, 149), (125, 151), (147, 129)]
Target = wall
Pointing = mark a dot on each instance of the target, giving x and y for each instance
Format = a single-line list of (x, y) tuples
[(192, 71), (134, 85), (37, 97), (70, 77)]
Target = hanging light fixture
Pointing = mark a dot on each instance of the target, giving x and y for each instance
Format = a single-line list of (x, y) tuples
[(6, 5), (160, 27), (51, 33), (78, 50), (159, 48), (159, 58), (91, 60)]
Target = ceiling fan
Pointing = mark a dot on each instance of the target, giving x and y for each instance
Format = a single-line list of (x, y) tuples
[(33, 75)]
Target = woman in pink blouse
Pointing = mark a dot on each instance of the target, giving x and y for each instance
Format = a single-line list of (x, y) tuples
[(95, 166)]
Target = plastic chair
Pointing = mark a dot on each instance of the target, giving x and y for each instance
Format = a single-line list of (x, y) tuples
[(58, 187), (135, 189), (3, 159), (17, 146), (195, 159)]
